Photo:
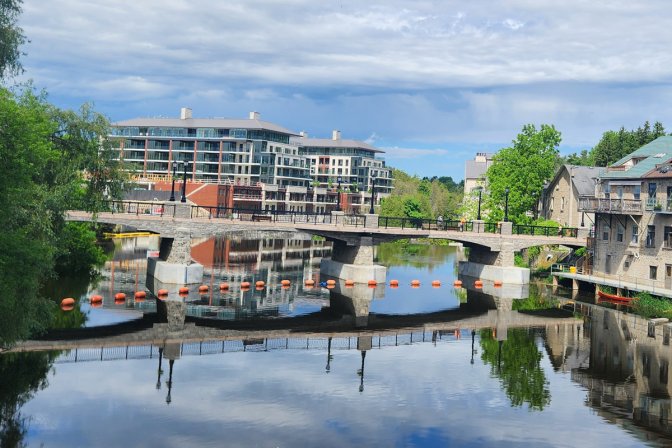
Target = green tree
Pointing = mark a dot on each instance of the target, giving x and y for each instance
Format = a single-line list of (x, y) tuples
[(584, 158), (517, 363), (523, 168), (52, 161), (615, 145), (11, 38)]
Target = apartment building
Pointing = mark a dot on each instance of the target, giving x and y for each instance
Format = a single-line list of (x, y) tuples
[(267, 166), (633, 217)]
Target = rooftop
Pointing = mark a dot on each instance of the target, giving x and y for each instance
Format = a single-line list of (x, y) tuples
[(649, 155)]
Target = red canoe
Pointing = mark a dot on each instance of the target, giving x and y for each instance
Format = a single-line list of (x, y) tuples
[(613, 298)]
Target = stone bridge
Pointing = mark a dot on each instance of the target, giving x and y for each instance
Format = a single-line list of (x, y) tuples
[(491, 255)]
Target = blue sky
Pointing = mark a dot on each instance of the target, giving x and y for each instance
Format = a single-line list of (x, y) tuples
[(431, 82)]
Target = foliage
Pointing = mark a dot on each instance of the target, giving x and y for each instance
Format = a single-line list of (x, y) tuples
[(519, 261), (405, 253), (584, 158), (517, 363), (77, 252), (534, 302), (52, 161), (425, 198), (580, 252), (616, 145), (11, 38), (523, 168), (652, 306), (22, 375)]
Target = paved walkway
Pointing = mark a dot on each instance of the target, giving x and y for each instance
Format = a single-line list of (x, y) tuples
[(639, 285)]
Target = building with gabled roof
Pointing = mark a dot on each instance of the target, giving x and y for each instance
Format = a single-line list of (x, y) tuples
[(560, 198)]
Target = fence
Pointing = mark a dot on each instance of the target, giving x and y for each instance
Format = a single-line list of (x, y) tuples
[(142, 208)]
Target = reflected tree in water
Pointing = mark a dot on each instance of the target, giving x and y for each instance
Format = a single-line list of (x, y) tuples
[(404, 253), (516, 362), (21, 375)]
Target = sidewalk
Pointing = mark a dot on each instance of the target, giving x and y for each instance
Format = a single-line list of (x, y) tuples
[(616, 282)]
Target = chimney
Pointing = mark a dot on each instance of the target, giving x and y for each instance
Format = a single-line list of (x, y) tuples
[(185, 113), (335, 135), (254, 115), (303, 134)]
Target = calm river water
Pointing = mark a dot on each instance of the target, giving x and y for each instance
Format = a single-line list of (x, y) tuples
[(407, 367)]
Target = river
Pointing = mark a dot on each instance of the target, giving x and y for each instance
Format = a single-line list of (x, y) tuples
[(411, 369)]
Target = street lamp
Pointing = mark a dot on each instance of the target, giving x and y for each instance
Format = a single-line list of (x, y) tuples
[(583, 214), (373, 193), (480, 192), (506, 205), (339, 179), (172, 188), (184, 183)]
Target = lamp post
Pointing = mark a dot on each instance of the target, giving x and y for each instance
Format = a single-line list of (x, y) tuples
[(506, 205), (184, 183), (583, 214), (535, 196), (373, 193), (172, 188), (339, 179), (480, 192)]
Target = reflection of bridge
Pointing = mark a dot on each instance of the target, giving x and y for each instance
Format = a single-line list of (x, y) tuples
[(491, 255)]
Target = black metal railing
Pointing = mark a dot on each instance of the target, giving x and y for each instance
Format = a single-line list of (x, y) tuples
[(520, 229), (148, 208)]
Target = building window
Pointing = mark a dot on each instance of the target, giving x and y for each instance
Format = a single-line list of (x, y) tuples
[(667, 242), (619, 234), (619, 192), (638, 192), (607, 191), (653, 272), (635, 235), (650, 236), (605, 232), (562, 203)]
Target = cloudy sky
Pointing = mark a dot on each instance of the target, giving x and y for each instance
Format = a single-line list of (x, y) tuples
[(431, 82)]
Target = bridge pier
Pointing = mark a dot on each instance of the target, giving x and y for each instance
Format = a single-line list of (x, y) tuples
[(353, 260), (495, 265), (174, 264), (355, 300)]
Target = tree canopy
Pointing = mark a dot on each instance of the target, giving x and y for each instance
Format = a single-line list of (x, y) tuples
[(523, 169), (11, 38), (52, 160), (424, 198)]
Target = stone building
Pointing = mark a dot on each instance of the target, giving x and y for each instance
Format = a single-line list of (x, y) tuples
[(560, 198), (474, 172), (633, 218)]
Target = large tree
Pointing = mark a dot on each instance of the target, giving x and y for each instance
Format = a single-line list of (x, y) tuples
[(51, 161), (11, 38), (523, 169)]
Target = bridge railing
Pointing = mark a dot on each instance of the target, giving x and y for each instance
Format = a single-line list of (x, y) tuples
[(142, 208), (521, 229), (257, 215)]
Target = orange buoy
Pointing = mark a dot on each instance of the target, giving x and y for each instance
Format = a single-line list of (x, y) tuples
[(140, 294), (244, 284), (372, 283), (415, 282), (183, 290), (259, 288), (203, 288), (457, 283), (68, 301), (120, 296), (331, 286), (310, 282), (96, 304), (67, 307), (478, 284), (162, 292), (223, 286), (498, 283), (349, 282), (436, 283), (260, 284), (331, 282), (285, 282), (394, 283), (96, 298)]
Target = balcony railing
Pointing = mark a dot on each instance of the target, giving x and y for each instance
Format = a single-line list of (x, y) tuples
[(610, 205)]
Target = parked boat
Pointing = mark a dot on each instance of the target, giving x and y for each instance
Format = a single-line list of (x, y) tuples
[(613, 298)]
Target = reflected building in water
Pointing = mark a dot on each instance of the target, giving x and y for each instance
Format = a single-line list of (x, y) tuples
[(231, 260), (622, 360)]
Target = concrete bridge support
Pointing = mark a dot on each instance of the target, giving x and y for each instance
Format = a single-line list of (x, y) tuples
[(174, 265), (353, 260), (487, 264)]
